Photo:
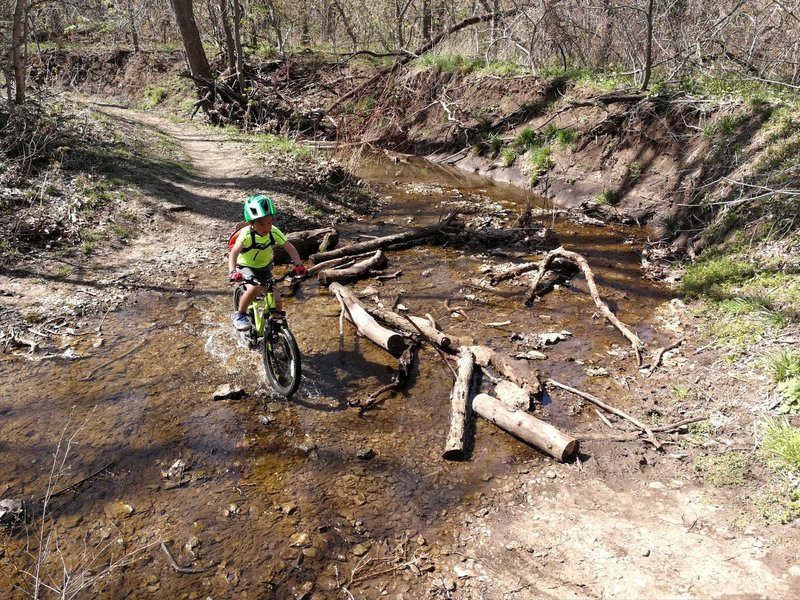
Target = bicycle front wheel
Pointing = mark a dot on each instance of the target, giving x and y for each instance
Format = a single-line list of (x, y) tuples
[(238, 292), (282, 361)]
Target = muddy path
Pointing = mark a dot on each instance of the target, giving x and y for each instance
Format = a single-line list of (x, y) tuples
[(311, 499)]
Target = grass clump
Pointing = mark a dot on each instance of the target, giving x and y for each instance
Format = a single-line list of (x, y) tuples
[(780, 446), (714, 275), (272, 143), (451, 63), (508, 156), (153, 96), (780, 451), (784, 368), (540, 159), (724, 470), (606, 197)]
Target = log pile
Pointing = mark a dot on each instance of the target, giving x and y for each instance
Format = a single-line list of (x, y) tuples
[(516, 386)]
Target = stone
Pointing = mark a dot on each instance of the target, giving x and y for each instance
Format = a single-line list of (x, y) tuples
[(229, 392), (360, 550), (11, 510), (299, 539), (366, 454)]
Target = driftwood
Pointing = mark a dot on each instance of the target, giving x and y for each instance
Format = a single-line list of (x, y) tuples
[(336, 262), (355, 271), (579, 260), (556, 262), (366, 325), (516, 371), (417, 325), (526, 427), (609, 408), (307, 242), (399, 379), (459, 406), (383, 242)]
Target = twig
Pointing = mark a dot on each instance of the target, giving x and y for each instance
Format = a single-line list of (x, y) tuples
[(113, 360), (174, 564), (659, 354), (611, 409), (80, 481), (604, 420)]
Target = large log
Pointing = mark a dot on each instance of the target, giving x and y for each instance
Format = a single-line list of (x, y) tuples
[(307, 243), (366, 325), (526, 427), (420, 325), (383, 242), (359, 269), (459, 406)]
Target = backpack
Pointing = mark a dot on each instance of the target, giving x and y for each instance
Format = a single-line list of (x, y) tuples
[(253, 245)]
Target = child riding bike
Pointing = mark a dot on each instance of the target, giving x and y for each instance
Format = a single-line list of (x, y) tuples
[(251, 255)]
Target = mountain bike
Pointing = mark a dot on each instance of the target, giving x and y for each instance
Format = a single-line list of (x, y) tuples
[(270, 331)]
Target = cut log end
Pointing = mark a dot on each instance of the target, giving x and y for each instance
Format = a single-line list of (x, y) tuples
[(453, 454), (570, 451)]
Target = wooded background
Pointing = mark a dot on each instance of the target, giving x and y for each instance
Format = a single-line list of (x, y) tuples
[(655, 41)]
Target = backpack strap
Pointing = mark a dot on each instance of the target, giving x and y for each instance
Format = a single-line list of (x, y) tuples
[(256, 246)]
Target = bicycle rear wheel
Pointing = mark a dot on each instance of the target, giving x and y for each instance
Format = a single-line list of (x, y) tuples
[(282, 361)]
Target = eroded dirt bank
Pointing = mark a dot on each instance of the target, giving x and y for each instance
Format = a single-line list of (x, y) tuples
[(284, 502)]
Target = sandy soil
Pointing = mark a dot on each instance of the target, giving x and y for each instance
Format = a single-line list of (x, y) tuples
[(625, 521)]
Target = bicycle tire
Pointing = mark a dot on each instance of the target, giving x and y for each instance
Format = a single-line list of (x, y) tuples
[(238, 292), (282, 362)]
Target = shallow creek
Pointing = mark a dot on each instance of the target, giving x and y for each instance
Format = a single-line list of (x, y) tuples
[(278, 495)]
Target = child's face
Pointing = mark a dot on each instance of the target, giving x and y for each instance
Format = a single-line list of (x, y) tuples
[(262, 225)]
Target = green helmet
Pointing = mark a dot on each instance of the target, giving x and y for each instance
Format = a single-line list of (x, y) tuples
[(258, 206)]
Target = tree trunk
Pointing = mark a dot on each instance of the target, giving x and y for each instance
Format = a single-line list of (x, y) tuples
[(366, 325), (237, 44), (192, 44), (648, 48), (132, 26), (459, 406), (17, 53), (230, 48), (526, 427)]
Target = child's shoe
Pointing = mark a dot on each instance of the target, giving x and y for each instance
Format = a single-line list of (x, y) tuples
[(240, 321)]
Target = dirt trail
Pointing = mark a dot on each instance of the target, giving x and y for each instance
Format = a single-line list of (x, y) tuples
[(624, 523)]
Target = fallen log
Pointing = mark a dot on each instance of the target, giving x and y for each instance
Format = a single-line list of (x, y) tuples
[(417, 325), (355, 271), (459, 406), (307, 243), (526, 427), (336, 262), (383, 242), (516, 371), (579, 260), (366, 325), (558, 263)]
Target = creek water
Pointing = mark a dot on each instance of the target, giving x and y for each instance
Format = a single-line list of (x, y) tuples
[(280, 497)]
